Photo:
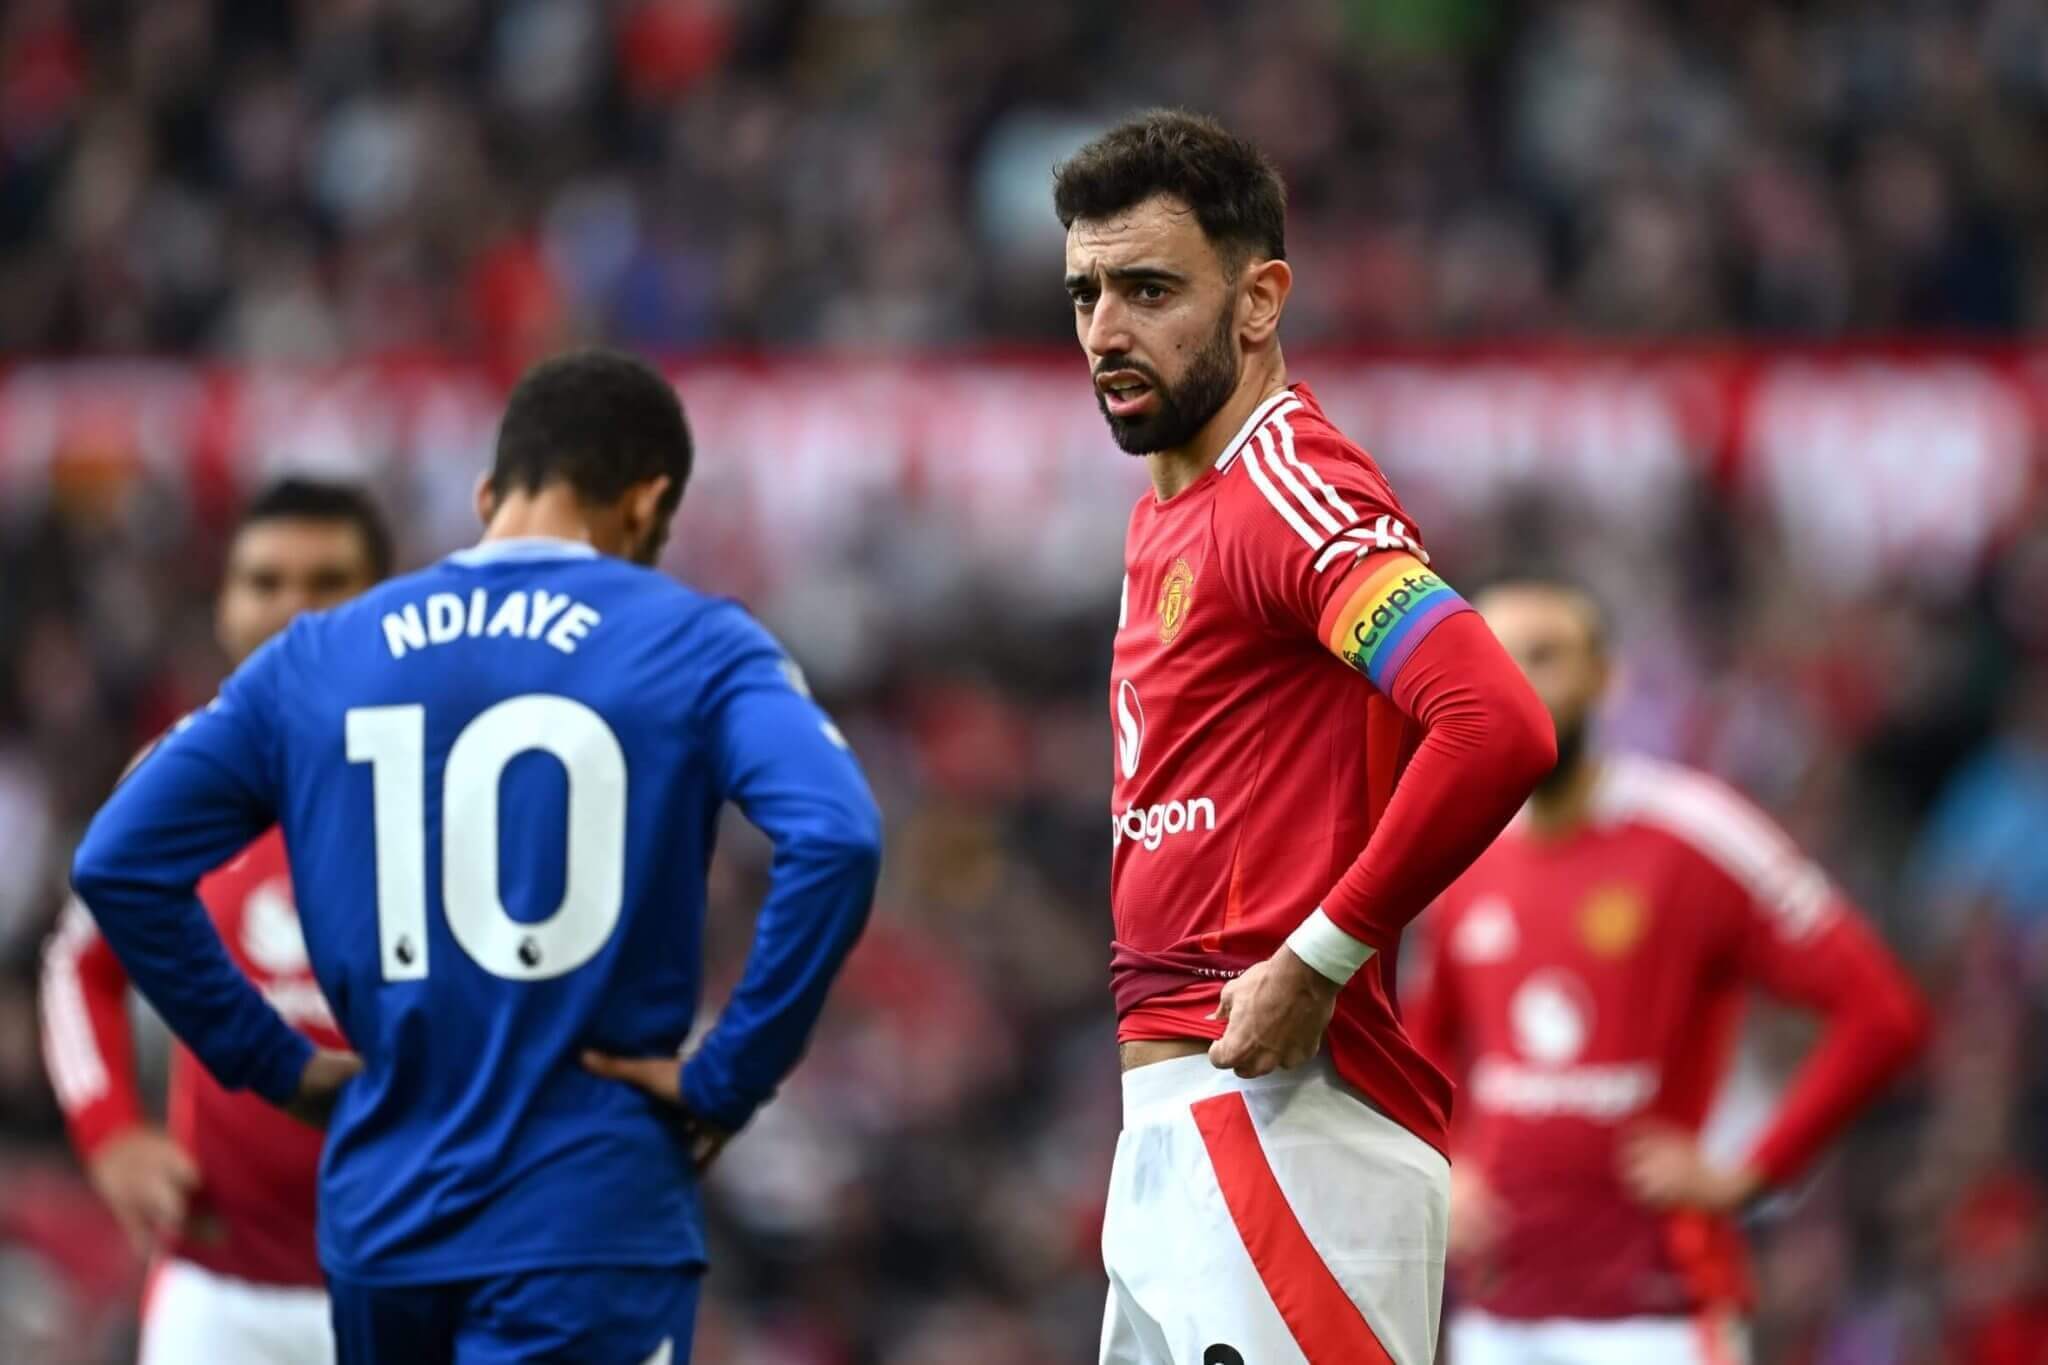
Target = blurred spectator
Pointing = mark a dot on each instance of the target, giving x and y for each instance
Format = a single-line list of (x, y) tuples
[(279, 183), (306, 180), (1984, 848)]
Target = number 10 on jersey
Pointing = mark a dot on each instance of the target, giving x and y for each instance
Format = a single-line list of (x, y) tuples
[(392, 740)]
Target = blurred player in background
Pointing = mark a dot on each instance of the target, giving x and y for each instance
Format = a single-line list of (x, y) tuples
[(500, 780), (224, 1191), (1277, 818), (1585, 983)]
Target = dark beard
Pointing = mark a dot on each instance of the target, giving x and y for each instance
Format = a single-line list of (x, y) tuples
[(1183, 409), (1571, 751)]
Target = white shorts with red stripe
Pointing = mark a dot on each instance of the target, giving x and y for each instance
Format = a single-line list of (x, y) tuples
[(193, 1316), (1481, 1339), (1269, 1222)]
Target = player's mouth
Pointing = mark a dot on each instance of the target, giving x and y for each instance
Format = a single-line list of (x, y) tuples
[(1125, 393)]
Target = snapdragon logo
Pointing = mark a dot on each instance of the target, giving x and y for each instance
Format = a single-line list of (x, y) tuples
[(1150, 825)]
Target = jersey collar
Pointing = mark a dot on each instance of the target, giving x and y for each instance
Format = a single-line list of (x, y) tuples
[(1260, 415), (522, 548)]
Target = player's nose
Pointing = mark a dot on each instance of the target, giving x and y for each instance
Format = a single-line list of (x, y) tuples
[(1108, 331)]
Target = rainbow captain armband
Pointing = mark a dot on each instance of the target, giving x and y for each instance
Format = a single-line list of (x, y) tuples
[(1397, 602)]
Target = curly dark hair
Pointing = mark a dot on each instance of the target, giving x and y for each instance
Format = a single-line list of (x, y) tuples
[(1233, 190), (597, 420)]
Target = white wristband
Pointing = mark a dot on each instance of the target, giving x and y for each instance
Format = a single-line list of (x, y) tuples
[(1328, 949)]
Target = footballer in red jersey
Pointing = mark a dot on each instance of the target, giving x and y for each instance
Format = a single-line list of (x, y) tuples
[(1280, 1188), (1584, 981), (223, 1193)]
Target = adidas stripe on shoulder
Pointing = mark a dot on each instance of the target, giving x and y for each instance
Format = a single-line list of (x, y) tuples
[(1303, 496)]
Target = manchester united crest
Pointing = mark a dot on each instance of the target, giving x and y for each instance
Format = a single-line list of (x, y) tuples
[(1176, 596), (1613, 919)]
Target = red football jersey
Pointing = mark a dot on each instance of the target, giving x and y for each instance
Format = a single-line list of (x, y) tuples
[(1251, 763), (252, 1217), (1577, 985)]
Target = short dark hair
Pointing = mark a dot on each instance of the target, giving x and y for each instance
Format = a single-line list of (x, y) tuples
[(298, 499), (597, 420), (1234, 191)]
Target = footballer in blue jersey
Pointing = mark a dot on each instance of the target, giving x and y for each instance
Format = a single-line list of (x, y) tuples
[(499, 780)]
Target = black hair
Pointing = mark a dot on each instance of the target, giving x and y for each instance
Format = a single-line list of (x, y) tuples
[(600, 421), (1232, 188), (299, 499)]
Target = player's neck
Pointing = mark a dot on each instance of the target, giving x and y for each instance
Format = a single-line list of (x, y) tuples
[(1175, 471), (1558, 808), (552, 513)]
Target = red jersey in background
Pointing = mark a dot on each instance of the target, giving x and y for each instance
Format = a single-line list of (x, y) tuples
[(1251, 763), (1580, 984), (252, 1216)]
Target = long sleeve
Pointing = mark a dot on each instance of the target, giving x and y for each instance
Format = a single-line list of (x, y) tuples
[(1486, 742), (784, 763), (88, 1043), (204, 793), (1366, 591), (1874, 1023)]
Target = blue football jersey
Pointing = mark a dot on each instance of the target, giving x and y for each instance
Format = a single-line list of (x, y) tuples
[(499, 780)]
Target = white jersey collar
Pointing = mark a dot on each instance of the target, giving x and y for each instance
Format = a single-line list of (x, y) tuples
[(521, 548), (1260, 415)]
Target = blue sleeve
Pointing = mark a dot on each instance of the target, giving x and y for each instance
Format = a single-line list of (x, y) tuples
[(195, 801), (780, 758)]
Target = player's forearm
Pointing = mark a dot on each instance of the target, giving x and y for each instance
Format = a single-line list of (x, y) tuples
[(177, 962), (819, 903), (88, 1039), (1486, 743), (201, 796), (135, 871), (791, 772), (1842, 1075), (1876, 1025), (88, 1045), (93, 1126)]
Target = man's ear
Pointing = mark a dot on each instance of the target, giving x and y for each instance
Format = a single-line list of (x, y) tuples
[(1266, 285), (644, 502), (486, 499)]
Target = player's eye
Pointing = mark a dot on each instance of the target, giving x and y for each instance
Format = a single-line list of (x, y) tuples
[(1150, 293), (1084, 299)]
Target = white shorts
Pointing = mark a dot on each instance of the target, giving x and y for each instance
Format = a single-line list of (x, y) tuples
[(1269, 1222), (192, 1316), (1479, 1339)]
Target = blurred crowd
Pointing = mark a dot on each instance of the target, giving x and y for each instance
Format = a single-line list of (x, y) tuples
[(263, 181), (928, 1190), (312, 179)]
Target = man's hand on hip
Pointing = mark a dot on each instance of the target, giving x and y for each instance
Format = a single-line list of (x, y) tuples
[(320, 1085), (662, 1077), (1276, 1015), (147, 1179), (1663, 1167)]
